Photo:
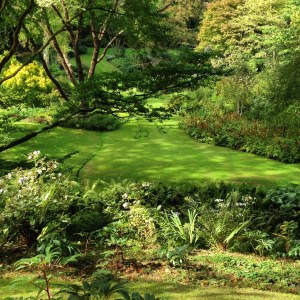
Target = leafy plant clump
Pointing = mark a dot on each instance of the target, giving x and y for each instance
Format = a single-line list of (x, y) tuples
[(95, 122)]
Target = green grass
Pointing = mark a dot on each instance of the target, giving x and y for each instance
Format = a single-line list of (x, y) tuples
[(103, 66), (24, 288), (195, 292), (167, 291), (141, 151)]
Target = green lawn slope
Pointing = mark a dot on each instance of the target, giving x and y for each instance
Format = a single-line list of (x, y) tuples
[(151, 152)]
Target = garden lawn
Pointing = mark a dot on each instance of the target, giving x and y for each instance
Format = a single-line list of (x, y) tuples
[(143, 151), (195, 292), (167, 291), (103, 66)]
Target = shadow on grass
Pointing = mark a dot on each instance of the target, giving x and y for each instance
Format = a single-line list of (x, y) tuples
[(170, 291)]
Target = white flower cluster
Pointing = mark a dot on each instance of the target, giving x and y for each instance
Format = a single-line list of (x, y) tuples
[(219, 200), (146, 184), (124, 196), (34, 154), (21, 180), (248, 199)]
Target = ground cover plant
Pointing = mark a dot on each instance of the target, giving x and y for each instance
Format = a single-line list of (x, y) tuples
[(175, 221)]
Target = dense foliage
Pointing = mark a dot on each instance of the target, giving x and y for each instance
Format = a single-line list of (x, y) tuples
[(255, 107), (40, 204), (237, 133)]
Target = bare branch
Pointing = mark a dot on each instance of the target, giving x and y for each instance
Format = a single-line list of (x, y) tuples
[(75, 38), (62, 57), (76, 44), (52, 78), (45, 66), (97, 38)]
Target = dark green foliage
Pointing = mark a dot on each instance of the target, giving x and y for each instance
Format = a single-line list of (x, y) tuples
[(100, 286), (95, 122), (247, 218), (282, 204), (183, 69)]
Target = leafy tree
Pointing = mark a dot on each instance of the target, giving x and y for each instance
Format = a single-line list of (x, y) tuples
[(244, 29), (184, 17), (64, 23)]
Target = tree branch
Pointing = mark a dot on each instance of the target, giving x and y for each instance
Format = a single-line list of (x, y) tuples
[(3, 4), (15, 42), (63, 58), (98, 37), (46, 68), (167, 6), (107, 10), (52, 78), (37, 132), (75, 38), (30, 59), (108, 45)]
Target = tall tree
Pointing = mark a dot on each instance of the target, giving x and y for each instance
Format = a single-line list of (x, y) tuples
[(184, 17)]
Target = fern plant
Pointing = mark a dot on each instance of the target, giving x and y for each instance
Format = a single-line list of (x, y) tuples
[(220, 225)]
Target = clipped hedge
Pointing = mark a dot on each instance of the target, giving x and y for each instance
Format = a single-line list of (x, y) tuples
[(237, 133)]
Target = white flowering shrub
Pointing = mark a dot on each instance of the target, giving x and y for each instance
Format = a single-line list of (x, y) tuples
[(36, 201)]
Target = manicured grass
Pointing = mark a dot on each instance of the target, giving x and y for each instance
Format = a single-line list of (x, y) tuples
[(141, 151), (166, 291), (145, 153), (103, 66), (195, 292)]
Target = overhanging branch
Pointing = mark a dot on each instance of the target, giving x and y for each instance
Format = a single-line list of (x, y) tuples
[(108, 45), (37, 132)]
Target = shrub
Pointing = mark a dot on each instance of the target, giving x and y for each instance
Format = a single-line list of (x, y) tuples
[(94, 122), (39, 203), (239, 133), (30, 86), (36, 201)]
